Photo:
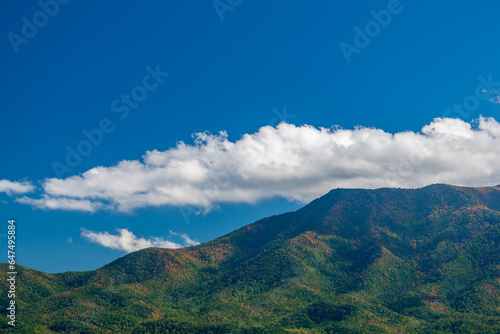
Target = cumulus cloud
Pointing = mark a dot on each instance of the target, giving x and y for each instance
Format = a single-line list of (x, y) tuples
[(127, 241), (15, 187), (298, 163)]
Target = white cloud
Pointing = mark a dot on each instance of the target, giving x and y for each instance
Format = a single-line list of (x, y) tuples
[(294, 162), (15, 187), (187, 240), (496, 96), (127, 241), (60, 203)]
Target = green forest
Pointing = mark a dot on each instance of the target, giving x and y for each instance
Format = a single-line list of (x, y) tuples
[(353, 261)]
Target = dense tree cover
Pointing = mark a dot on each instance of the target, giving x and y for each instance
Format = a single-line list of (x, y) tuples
[(353, 261)]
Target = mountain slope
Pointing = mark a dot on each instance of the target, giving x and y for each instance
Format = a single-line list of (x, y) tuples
[(353, 261)]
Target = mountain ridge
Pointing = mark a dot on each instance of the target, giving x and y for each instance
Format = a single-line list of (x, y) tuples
[(354, 260)]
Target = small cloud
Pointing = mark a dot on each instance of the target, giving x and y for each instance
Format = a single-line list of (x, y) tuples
[(495, 99), (187, 240), (70, 240), (15, 187), (127, 241), (494, 95), (60, 203)]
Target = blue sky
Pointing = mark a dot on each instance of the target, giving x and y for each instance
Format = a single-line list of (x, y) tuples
[(235, 68)]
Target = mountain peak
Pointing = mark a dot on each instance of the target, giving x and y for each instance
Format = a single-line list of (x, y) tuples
[(385, 260)]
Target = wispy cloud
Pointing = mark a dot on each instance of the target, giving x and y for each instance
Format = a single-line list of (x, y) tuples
[(495, 99), (127, 241), (60, 203), (294, 162), (493, 95), (187, 240), (15, 187)]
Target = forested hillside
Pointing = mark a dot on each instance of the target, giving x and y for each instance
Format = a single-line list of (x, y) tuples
[(353, 261)]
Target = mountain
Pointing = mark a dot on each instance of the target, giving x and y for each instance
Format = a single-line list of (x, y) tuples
[(353, 261)]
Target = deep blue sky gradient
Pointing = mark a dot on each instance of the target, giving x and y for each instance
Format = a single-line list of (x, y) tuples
[(224, 75)]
